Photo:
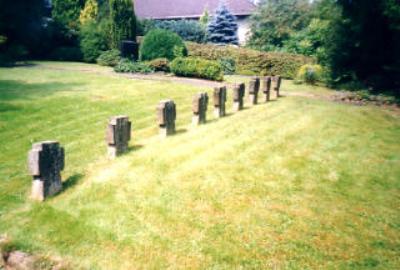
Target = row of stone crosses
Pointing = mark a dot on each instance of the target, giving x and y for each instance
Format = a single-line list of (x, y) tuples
[(46, 159)]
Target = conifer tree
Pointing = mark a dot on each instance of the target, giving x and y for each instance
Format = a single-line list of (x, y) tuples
[(123, 21), (223, 27), (89, 12)]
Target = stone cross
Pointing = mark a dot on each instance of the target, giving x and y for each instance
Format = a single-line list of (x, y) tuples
[(118, 135), (219, 101), (277, 84), (199, 106), (267, 88), (254, 87), (45, 163), (166, 115), (238, 95)]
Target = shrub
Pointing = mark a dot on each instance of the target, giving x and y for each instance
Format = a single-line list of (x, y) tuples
[(228, 65), (92, 42), (310, 74), (127, 65), (159, 43), (160, 64), (251, 62), (187, 30), (197, 67), (66, 54), (109, 58)]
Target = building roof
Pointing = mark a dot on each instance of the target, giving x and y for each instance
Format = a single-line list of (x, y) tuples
[(178, 9)]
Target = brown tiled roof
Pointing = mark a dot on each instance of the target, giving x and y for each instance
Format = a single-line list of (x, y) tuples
[(174, 9)]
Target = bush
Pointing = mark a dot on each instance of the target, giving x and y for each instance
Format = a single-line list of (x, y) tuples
[(127, 65), (66, 54), (228, 65), (92, 42), (310, 74), (198, 68), (251, 62), (109, 58), (160, 64), (187, 30), (160, 43)]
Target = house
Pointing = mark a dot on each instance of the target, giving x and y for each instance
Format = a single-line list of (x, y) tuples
[(193, 9)]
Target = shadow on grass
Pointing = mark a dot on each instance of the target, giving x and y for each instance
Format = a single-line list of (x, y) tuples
[(4, 107), (180, 131), (134, 147), (15, 89), (72, 181)]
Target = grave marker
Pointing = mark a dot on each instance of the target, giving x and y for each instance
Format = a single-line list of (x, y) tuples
[(254, 88), (277, 84), (238, 95), (118, 135), (166, 115), (45, 163), (199, 106), (267, 88), (219, 101)]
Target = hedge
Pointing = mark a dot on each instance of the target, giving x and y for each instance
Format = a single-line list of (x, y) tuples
[(198, 68), (252, 62)]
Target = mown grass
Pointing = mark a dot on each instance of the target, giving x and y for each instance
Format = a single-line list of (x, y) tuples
[(297, 183)]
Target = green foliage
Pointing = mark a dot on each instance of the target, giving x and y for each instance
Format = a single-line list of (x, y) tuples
[(66, 54), (92, 41), (364, 49), (223, 27), (204, 19), (89, 12), (310, 40), (188, 30), (123, 21), (160, 64), (144, 26), (109, 58), (228, 65), (3, 40), (198, 68), (66, 14), (251, 62), (129, 66), (21, 25), (310, 74), (160, 43), (275, 21)]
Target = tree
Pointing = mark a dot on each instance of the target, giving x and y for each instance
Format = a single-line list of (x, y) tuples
[(66, 14), (275, 21), (365, 44), (123, 21), (89, 12), (21, 27), (204, 19), (223, 27)]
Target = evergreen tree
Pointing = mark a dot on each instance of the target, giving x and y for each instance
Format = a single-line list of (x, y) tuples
[(223, 27), (89, 12), (123, 21), (21, 27), (204, 19), (66, 14)]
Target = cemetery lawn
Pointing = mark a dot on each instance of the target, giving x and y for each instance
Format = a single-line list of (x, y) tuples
[(298, 183)]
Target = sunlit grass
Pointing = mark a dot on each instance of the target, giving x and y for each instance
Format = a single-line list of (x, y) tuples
[(297, 183)]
